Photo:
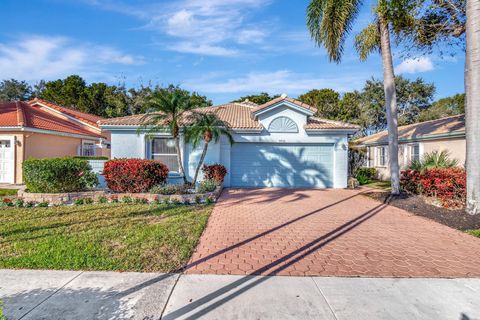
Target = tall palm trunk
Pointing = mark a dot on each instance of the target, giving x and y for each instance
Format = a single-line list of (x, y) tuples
[(179, 159), (202, 158), (472, 108), (390, 104)]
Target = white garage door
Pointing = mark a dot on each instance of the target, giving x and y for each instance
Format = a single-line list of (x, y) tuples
[(6, 160), (282, 165)]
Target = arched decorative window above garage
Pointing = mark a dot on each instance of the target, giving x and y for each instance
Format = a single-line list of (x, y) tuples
[(283, 124)]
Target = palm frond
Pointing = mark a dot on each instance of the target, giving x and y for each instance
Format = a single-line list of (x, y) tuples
[(432, 160), (330, 22), (367, 41)]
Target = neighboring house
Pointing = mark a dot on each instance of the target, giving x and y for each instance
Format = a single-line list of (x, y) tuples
[(277, 144), (415, 140), (40, 129)]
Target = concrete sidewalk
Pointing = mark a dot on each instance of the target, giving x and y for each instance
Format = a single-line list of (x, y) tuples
[(29, 294)]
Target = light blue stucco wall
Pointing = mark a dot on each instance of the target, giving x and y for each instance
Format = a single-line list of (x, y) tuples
[(128, 144)]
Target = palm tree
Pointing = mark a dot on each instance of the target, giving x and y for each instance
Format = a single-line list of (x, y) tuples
[(329, 23), (167, 108), (472, 107), (206, 126)]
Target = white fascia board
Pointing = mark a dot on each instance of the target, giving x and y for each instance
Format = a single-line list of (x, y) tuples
[(66, 115), (285, 103), (336, 131)]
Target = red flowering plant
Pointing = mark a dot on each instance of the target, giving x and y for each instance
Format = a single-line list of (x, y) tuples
[(216, 172), (134, 175), (446, 184)]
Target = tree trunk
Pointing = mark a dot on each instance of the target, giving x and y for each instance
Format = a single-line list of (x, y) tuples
[(390, 104), (472, 107), (179, 159), (202, 158)]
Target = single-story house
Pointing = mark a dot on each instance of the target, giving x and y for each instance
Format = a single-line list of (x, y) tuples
[(40, 129), (415, 140), (277, 144)]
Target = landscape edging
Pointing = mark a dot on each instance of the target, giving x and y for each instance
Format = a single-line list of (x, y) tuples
[(70, 197)]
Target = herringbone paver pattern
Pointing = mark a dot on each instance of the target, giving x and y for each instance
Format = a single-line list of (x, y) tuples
[(330, 233)]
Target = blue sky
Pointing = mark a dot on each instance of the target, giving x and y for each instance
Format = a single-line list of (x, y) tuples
[(223, 49)]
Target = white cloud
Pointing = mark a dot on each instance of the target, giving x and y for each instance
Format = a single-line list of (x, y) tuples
[(39, 57), (415, 65), (275, 82), (198, 23)]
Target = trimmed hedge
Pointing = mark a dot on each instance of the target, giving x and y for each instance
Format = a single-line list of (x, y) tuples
[(216, 172), (446, 184), (56, 175), (134, 175)]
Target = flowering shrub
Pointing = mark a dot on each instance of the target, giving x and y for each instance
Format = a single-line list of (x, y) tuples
[(215, 172), (446, 184), (134, 175)]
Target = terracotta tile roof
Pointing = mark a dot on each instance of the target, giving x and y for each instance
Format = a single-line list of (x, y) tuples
[(91, 119), (319, 123), (236, 115), (22, 114), (284, 98), (447, 125)]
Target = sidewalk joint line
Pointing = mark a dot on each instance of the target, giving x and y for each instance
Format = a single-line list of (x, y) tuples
[(324, 298), (170, 295), (50, 295)]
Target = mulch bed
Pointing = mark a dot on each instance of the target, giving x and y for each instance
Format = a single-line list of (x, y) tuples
[(457, 219)]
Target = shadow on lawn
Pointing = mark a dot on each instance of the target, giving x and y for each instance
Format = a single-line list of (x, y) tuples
[(221, 296)]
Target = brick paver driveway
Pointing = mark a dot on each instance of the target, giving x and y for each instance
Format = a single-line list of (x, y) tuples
[(327, 232)]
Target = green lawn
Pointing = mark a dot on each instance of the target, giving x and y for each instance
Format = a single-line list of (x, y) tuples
[(377, 184), (8, 192), (475, 233), (143, 237)]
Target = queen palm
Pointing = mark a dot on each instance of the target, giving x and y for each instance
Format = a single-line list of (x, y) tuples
[(330, 22), (167, 108), (472, 108), (206, 127)]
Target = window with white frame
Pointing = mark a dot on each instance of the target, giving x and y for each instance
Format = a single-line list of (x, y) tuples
[(382, 156), (163, 150), (88, 148), (415, 152)]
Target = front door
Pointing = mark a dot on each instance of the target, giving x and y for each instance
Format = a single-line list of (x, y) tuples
[(7, 159)]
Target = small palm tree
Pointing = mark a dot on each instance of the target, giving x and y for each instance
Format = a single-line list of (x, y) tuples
[(167, 108), (205, 127), (433, 160)]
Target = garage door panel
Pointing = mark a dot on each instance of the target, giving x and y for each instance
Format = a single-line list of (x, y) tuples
[(281, 165)]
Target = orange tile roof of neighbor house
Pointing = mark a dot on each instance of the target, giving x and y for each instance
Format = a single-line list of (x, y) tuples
[(452, 125), (20, 115), (238, 115), (91, 119)]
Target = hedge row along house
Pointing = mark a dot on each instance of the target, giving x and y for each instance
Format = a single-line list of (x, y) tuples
[(277, 144), (40, 129), (414, 141)]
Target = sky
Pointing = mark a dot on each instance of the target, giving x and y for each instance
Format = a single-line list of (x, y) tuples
[(223, 49)]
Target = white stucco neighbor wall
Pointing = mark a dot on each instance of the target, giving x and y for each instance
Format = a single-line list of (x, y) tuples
[(128, 144)]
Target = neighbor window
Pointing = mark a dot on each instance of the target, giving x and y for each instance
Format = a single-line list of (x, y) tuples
[(382, 156), (163, 150), (415, 152)]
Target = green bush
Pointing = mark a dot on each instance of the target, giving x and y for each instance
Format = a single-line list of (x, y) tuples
[(365, 175), (79, 202), (169, 189), (56, 175), (434, 160), (206, 186), (102, 199), (88, 201), (19, 203), (43, 204), (127, 200)]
